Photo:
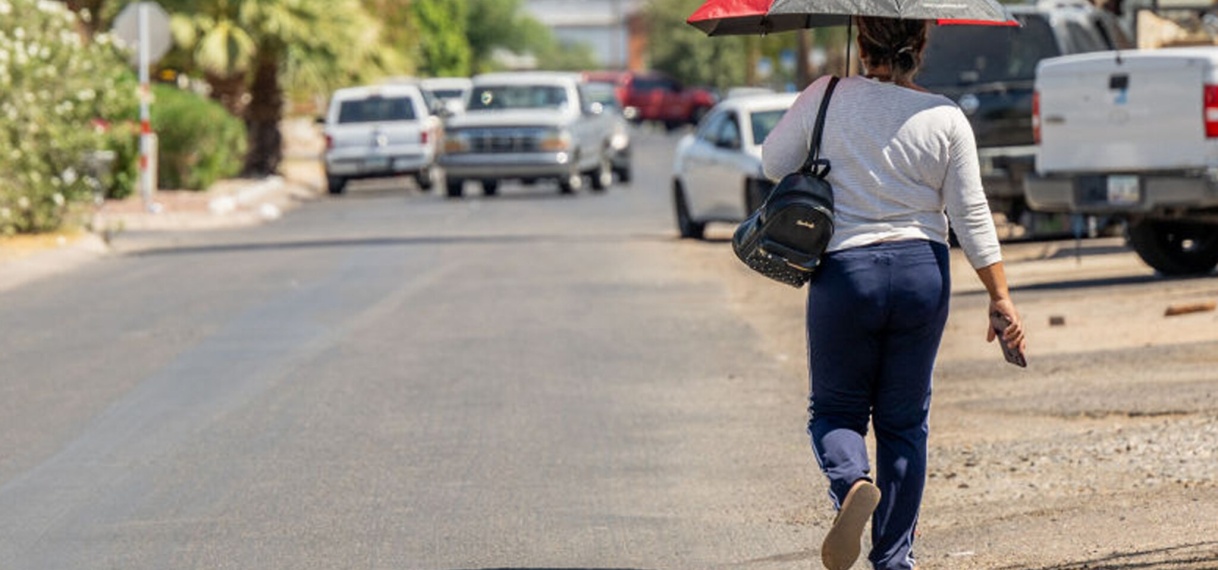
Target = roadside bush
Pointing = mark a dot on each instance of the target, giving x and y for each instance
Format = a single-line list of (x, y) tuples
[(59, 97), (199, 141)]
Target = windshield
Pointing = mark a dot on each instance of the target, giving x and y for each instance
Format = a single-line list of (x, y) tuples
[(449, 94), (375, 110), (517, 97), (961, 55), (603, 93), (763, 123)]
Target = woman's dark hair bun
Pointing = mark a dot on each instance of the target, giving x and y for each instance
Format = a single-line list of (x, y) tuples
[(895, 43)]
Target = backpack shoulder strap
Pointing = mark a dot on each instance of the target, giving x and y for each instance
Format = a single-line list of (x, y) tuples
[(814, 162)]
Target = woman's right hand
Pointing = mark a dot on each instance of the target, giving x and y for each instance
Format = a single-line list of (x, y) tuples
[(1013, 336)]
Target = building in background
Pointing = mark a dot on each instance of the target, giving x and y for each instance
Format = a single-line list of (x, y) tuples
[(612, 28)]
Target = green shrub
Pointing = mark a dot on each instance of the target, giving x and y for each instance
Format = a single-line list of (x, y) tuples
[(199, 142), (58, 97)]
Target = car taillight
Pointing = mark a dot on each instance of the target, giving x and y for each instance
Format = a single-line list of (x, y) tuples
[(423, 136), (1036, 116), (1211, 111), (329, 142)]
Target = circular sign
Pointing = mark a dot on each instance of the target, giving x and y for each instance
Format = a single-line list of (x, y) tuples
[(127, 30)]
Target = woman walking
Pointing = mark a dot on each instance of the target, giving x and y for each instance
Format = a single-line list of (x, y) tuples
[(904, 162)]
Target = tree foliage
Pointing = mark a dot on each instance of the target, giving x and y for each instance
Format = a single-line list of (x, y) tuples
[(686, 53), (59, 99), (251, 51), (689, 55), (443, 48)]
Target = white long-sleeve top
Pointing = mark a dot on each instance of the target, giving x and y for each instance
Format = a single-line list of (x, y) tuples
[(903, 161)]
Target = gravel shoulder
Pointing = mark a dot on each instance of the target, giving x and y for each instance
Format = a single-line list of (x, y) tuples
[(1102, 454)]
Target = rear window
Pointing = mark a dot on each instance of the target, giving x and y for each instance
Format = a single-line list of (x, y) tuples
[(652, 83), (448, 94), (961, 55), (603, 93), (763, 123), (376, 110), (517, 97)]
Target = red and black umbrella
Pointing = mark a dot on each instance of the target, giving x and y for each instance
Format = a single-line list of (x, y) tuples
[(738, 17)]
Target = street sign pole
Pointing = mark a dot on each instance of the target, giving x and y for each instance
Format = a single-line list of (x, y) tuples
[(146, 141)]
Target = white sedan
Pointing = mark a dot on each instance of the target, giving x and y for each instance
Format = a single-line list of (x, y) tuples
[(717, 175)]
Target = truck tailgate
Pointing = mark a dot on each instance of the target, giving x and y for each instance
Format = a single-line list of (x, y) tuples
[(1143, 112)]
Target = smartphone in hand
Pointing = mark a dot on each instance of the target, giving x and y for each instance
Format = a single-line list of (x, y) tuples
[(999, 323)]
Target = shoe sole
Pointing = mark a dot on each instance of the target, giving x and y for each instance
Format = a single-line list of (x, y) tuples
[(842, 543)]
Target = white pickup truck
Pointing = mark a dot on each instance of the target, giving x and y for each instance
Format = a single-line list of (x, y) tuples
[(1134, 135)]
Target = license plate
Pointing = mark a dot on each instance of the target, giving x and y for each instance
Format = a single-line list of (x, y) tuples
[(1123, 189), (376, 164)]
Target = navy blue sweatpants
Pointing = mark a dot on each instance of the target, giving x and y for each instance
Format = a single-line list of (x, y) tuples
[(875, 318)]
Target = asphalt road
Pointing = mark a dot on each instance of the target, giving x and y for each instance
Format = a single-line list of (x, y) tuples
[(390, 379), (393, 380)]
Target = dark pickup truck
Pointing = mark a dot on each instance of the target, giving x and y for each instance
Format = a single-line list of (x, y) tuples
[(990, 71)]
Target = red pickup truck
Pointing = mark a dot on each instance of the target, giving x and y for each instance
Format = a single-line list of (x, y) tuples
[(656, 97)]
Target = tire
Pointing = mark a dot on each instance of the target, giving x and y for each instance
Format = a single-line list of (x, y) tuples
[(623, 174), (602, 177), (1176, 248), (573, 182), (696, 116), (755, 193), (686, 226), (490, 187), (426, 179), (454, 188), (336, 185)]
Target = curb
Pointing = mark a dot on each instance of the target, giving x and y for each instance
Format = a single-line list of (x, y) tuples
[(37, 265), (236, 203)]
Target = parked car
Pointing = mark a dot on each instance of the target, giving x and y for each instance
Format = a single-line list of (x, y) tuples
[(380, 131), (717, 174), (657, 97), (528, 126), (604, 94), (451, 92), (989, 72)]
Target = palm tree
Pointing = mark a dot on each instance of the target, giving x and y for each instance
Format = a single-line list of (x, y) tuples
[(249, 51)]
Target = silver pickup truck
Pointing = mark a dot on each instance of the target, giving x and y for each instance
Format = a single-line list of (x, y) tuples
[(528, 126), (1134, 136)]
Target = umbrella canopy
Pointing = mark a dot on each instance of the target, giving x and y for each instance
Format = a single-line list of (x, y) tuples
[(737, 17)]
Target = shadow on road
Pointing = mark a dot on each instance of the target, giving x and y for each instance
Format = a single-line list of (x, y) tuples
[(1198, 556), (397, 241), (1066, 285)]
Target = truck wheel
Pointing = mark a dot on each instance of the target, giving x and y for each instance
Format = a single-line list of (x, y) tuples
[(571, 183), (336, 184), (490, 187), (696, 116), (686, 226), (623, 174), (1176, 248), (426, 179), (602, 177), (454, 187), (755, 193)]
